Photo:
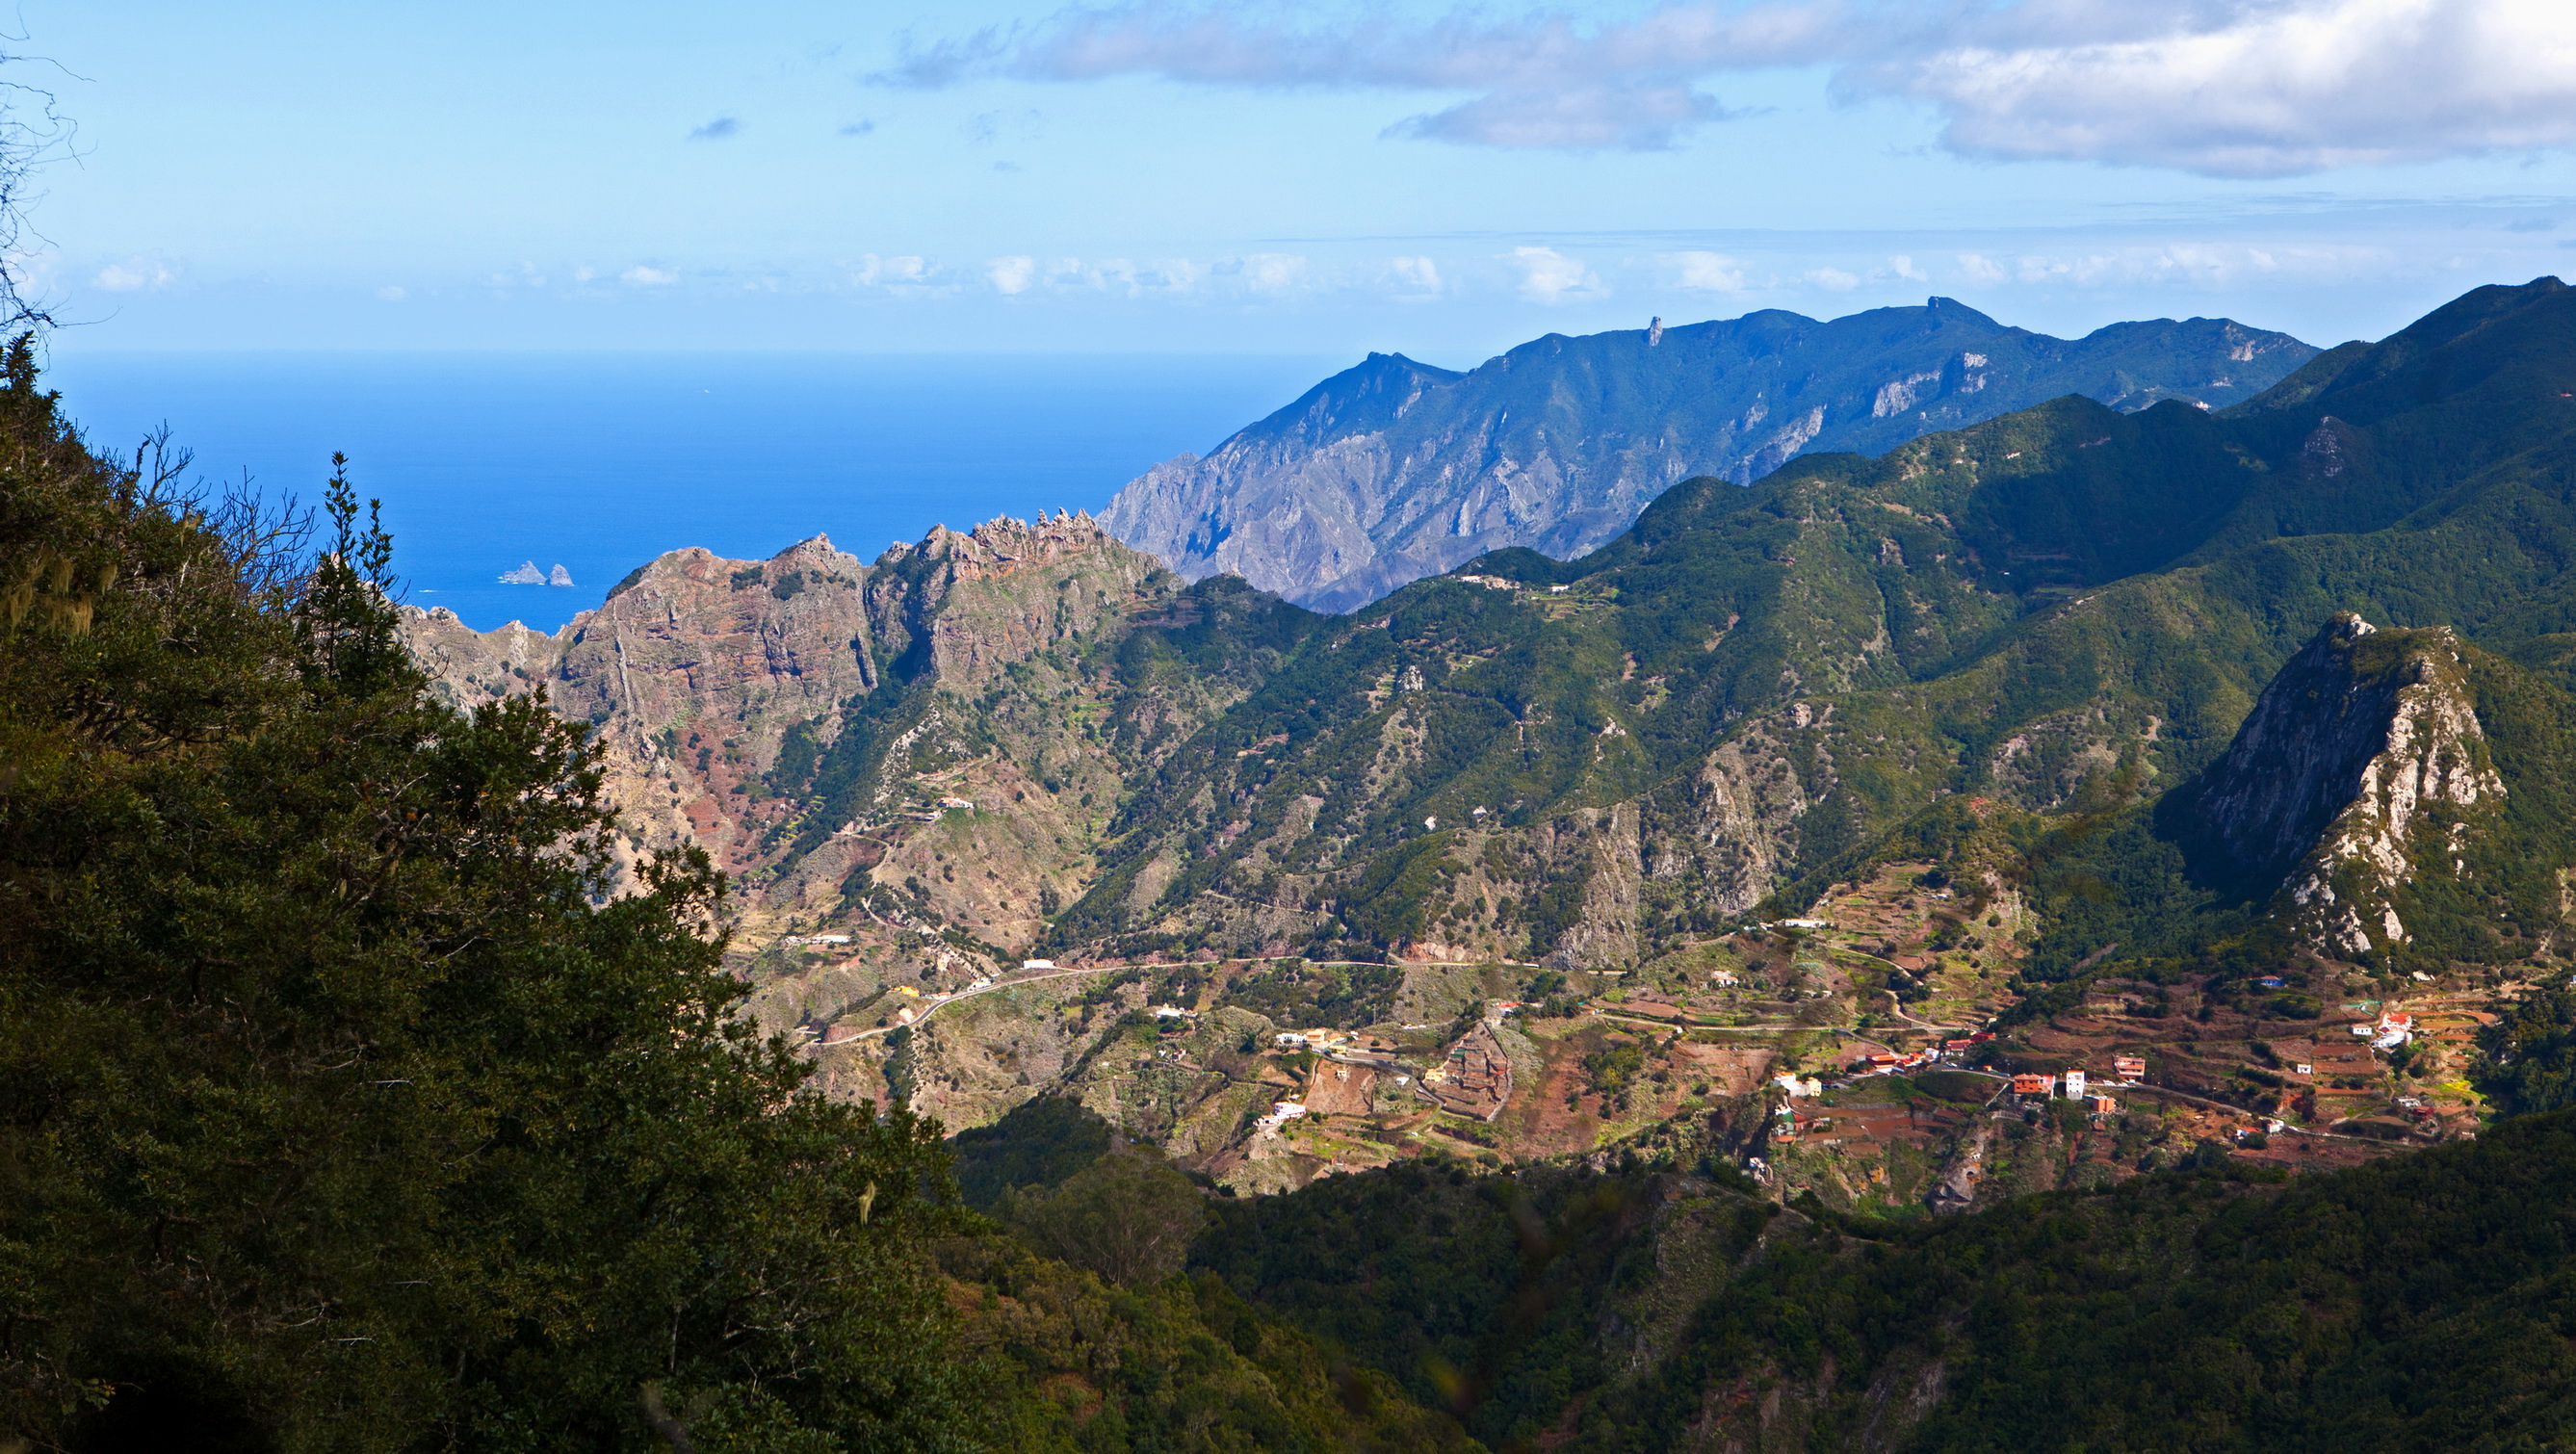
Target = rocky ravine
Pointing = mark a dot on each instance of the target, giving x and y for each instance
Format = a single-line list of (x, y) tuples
[(1395, 470)]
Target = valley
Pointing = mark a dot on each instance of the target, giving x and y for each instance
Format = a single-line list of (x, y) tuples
[(1853, 878), (1869, 760)]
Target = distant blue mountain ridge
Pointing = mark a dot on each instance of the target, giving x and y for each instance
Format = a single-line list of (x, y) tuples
[(1393, 470)]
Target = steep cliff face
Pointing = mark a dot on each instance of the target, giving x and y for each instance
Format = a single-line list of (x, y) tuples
[(2361, 771), (1395, 470), (919, 752)]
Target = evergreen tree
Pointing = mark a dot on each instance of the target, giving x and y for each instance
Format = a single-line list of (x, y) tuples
[(342, 1103)]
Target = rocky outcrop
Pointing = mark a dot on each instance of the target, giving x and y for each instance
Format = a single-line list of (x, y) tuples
[(918, 752), (1394, 470), (2361, 768)]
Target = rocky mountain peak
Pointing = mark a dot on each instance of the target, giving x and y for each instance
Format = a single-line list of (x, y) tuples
[(2361, 765), (1006, 541)]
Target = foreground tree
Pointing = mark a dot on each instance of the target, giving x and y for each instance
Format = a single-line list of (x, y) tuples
[(341, 1107)]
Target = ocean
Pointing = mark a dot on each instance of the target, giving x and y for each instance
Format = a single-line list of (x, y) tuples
[(599, 462)]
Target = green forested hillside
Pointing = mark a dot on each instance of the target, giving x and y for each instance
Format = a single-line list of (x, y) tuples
[(1767, 677), (2417, 1304)]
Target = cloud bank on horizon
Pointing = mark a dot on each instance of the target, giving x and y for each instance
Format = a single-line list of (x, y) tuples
[(2223, 88), (1308, 176)]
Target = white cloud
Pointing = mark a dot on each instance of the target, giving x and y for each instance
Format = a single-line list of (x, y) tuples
[(1903, 267), (2260, 89), (2190, 265), (1981, 268), (1273, 272), (1414, 276), (136, 275), (873, 271), (1548, 276), (1169, 277), (1545, 82), (393, 293), (640, 276), (2225, 87), (1011, 274), (1705, 272), (1834, 278), (1646, 118)]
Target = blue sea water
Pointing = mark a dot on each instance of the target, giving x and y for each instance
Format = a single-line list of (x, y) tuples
[(600, 462)]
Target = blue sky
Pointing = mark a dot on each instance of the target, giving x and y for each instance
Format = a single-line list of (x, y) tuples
[(1240, 178)]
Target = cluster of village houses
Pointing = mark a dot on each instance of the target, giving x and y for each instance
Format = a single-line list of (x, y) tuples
[(2073, 1085), (1475, 1079)]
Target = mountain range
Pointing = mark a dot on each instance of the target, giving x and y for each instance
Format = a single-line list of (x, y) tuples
[(2056, 935), (1032, 741), (1394, 470)]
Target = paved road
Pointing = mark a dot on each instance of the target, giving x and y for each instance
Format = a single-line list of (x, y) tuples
[(1005, 984), (997, 985)]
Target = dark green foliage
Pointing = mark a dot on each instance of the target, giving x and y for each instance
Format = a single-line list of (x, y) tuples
[(1338, 996), (344, 1109), (1612, 1069), (1038, 1143), (1957, 1085), (2181, 1312), (2419, 1303), (1179, 1367), (1480, 1295), (1128, 1216), (2151, 883), (798, 754), (2527, 1059)]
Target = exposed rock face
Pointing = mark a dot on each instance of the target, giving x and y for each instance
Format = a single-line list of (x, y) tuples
[(919, 752), (688, 642), (2361, 767), (1395, 470)]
